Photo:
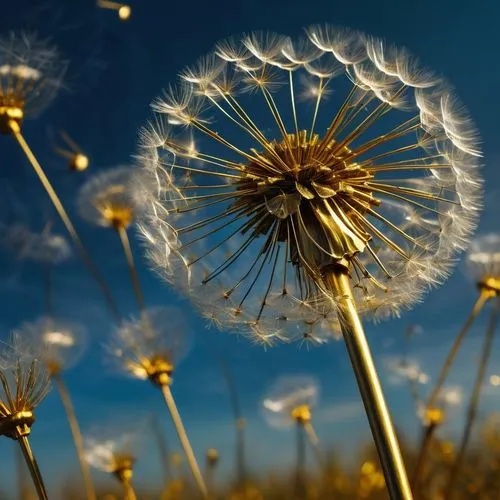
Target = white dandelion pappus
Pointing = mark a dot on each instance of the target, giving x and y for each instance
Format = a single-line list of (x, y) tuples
[(382, 175)]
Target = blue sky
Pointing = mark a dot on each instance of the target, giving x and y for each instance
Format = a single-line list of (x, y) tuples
[(116, 69)]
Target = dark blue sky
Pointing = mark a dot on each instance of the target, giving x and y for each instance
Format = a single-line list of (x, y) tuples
[(115, 70)]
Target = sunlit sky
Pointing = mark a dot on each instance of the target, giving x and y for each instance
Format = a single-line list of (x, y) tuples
[(115, 70)]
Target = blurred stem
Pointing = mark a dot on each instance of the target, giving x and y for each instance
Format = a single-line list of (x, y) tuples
[(315, 445), (16, 132), (300, 470), (473, 402), (425, 443), (77, 435), (337, 281), (49, 307), (128, 490), (36, 475), (162, 450), (478, 306), (184, 440), (136, 285), (209, 475)]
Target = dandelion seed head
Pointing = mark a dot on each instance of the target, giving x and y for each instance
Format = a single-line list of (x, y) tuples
[(31, 73), (483, 258), (289, 398), (24, 383), (112, 198), (43, 246), (150, 345), (62, 343), (260, 193)]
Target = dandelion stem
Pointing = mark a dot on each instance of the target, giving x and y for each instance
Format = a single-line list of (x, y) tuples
[(474, 401), (36, 475), (425, 442), (314, 441), (128, 489), (300, 470), (122, 233), (478, 306), (16, 132), (76, 433), (183, 438), (23, 489), (337, 281)]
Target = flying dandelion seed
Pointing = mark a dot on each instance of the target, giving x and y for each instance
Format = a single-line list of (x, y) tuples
[(78, 161), (124, 11), (62, 344), (31, 73), (24, 384), (149, 348), (366, 200)]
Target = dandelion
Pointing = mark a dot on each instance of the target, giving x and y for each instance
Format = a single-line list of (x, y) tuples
[(124, 11), (483, 265), (78, 161), (62, 344), (150, 348), (31, 74), (114, 449), (110, 200), (368, 204), (24, 384), (290, 401)]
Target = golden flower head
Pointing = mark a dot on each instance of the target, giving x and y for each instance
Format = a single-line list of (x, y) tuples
[(31, 74), (259, 195), (44, 246), (24, 383), (290, 399), (152, 345), (62, 342), (110, 198), (483, 261)]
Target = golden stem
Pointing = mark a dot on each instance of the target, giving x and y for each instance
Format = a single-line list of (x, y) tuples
[(314, 441), (337, 281), (77, 435), (209, 474), (473, 402), (425, 443), (36, 475), (478, 306), (16, 132), (183, 438), (122, 233)]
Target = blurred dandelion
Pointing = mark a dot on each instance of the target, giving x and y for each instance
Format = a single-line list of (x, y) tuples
[(78, 161), (114, 449), (110, 200), (290, 401), (24, 384), (62, 344), (263, 203), (483, 265), (124, 11), (31, 74), (150, 348)]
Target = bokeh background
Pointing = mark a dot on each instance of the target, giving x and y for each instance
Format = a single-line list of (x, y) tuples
[(115, 71)]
